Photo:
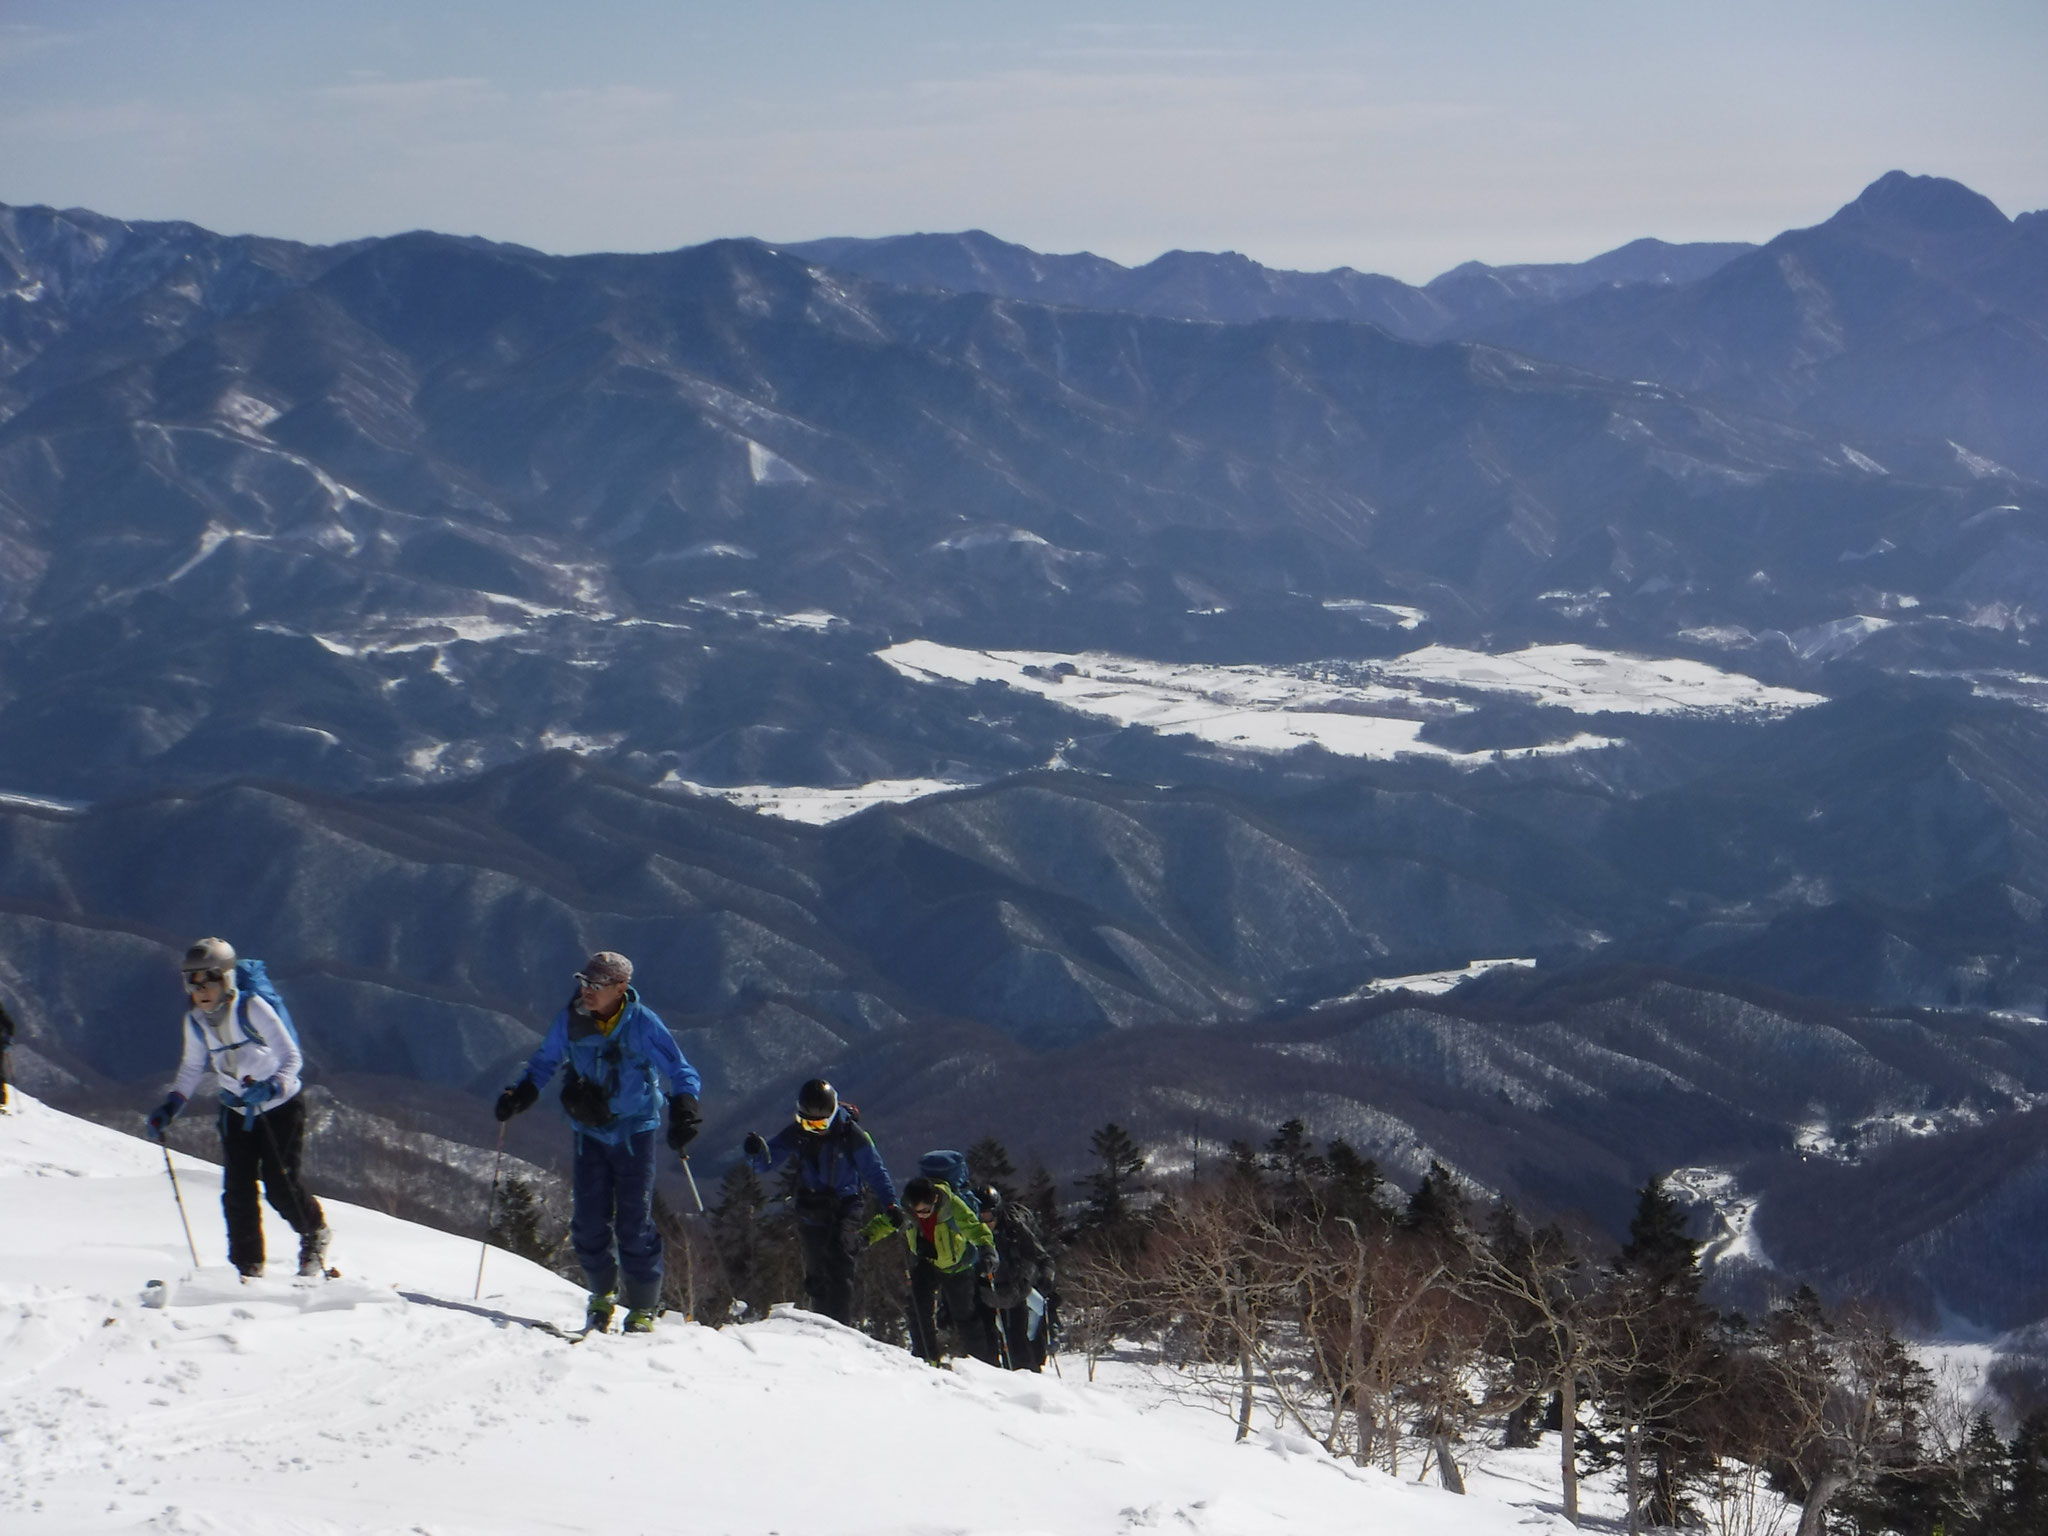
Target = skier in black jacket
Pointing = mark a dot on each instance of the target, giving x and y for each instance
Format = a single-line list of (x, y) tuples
[(1025, 1265)]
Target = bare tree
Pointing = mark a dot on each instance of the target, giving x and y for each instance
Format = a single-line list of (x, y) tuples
[(1222, 1275), (1555, 1307), (1850, 1399)]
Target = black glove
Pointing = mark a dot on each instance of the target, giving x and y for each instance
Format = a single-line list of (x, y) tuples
[(756, 1145), (683, 1121), (896, 1217), (161, 1118), (520, 1096)]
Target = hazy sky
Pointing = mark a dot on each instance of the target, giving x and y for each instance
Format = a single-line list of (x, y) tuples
[(1398, 138)]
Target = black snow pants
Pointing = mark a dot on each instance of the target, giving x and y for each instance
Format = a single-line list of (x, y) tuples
[(1026, 1353), (270, 1149), (972, 1324), (830, 1228)]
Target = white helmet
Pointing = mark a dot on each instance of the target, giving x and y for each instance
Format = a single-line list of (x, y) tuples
[(209, 955)]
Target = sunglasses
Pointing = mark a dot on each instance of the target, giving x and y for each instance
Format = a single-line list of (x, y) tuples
[(813, 1125), (591, 984), (202, 978)]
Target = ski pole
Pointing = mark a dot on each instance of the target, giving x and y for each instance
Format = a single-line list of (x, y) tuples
[(490, 1214), (693, 1184), (182, 1219)]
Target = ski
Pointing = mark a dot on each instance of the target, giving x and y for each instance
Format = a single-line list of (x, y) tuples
[(569, 1335), (538, 1324)]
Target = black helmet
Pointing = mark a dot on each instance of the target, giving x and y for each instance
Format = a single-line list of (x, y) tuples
[(816, 1100), (989, 1196)]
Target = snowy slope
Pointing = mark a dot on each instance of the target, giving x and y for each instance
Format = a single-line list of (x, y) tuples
[(385, 1402)]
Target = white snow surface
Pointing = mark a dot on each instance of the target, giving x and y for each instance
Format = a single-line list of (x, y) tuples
[(818, 806), (1374, 713), (387, 1401), (1250, 708), (1581, 678), (1433, 983)]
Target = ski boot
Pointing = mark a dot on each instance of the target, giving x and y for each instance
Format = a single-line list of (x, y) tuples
[(313, 1253), (250, 1271), (639, 1320), (597, 1317)]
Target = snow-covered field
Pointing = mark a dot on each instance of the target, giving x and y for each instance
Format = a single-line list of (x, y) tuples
[(1580, 678), (1427, 983), (814, 805), (1257, 709), (1364, 710), (1376, 710), (387, 1401)]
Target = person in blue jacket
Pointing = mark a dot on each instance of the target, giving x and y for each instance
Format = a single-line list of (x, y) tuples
[(835, 1157), (614, 1046)]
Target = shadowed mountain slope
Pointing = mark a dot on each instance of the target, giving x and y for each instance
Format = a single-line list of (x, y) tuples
[(458, 502), (1917, 309)]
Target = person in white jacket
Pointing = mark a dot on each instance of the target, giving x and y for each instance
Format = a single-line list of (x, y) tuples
[(236, 1038)]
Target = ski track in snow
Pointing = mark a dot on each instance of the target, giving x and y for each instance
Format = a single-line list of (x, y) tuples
[(343, 1406)]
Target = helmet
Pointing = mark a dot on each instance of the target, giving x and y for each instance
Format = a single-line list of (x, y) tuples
[(816, 1100), (209, 955), (989, 1196)]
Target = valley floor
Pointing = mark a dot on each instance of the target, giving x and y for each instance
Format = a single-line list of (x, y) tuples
[(388, 1401)]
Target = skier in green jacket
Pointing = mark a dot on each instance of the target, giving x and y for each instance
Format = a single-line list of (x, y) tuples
[(952, 1252)]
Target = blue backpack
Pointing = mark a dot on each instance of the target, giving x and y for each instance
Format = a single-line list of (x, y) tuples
[(950, 1169), (252, 977)]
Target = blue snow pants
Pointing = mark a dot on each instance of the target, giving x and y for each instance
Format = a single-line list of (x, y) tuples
[(614, 1194)]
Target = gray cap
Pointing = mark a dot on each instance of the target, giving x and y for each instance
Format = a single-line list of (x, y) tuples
[(607, 966), (209, 955)]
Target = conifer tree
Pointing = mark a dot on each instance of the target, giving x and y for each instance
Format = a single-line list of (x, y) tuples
[(1439, 1205), (1293, 1160), (1659, 1250), (1042, 1195), (2022, 1508), (1354, 1183), (1119, 1162), (1658, 1274), (519, 1222), (988, 1162), (755, 1248)]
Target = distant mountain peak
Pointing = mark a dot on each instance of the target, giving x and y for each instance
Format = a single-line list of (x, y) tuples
[(1931, 204)]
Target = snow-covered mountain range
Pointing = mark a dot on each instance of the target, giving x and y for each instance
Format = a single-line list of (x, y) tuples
[(1064, 701)]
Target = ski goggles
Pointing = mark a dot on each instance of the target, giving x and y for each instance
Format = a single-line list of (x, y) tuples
[(816, 1127), (205, 977), (594, 983)]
